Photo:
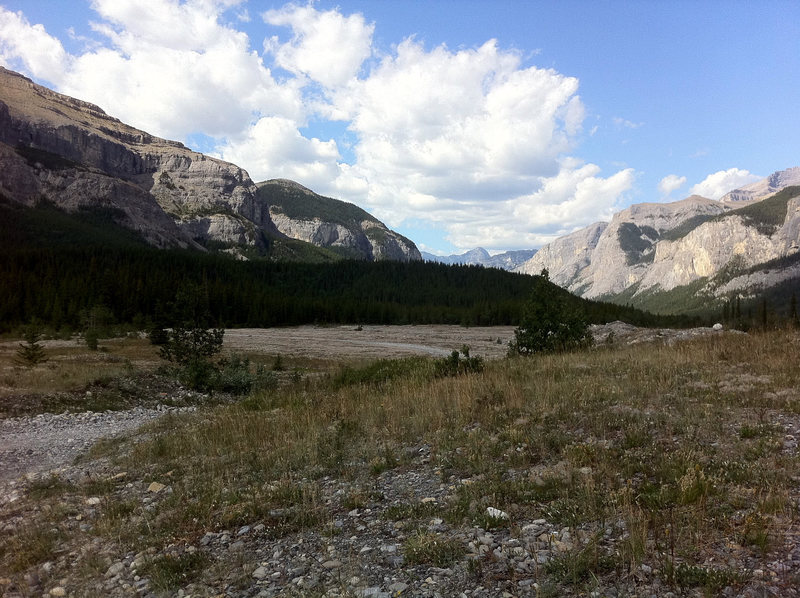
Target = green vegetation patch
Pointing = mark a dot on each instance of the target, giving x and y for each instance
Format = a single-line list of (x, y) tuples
[(768, 214), (687, 300), (633, 242), (170, 572), (301, 204), (685, 227), (382, 371), (48, 227), (429, 548)]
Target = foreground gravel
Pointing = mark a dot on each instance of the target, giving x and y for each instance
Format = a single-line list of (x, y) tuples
[(34, 444), (359, 550)]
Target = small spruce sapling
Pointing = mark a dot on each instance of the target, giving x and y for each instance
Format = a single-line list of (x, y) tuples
[(191, 341), (31, 353)]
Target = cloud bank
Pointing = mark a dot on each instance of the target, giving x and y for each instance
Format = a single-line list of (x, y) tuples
[(670, 183), (472, 141), (718, 184)]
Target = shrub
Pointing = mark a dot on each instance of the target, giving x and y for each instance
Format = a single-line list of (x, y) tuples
[(381, 372), (431, 548), (234, 376), (455, 364), (91, 338)]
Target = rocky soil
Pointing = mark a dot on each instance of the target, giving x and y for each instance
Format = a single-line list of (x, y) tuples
[(50, 441), (360, 549)]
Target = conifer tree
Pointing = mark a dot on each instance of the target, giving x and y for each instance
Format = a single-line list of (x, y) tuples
[(31, 353), (550, 323)]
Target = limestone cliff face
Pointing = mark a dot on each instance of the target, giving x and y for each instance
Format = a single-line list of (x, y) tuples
[(75, 155), (301, 214), (626, 249), (607, 258), (567, 257), (659, 247), (731, 242)]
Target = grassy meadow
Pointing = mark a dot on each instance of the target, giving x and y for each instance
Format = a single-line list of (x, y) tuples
[(674, 460)]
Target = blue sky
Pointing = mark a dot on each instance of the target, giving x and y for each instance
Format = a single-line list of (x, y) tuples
[(459, 123)]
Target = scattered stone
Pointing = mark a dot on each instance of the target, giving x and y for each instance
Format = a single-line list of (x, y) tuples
[(398, 588), (156, 487), (115, 569)]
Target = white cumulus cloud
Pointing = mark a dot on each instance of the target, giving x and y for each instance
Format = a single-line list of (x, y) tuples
[(31, 47), (326, 46), (473, 141), (274, 148), (719, 183), (170, 68), (670, 183), (458, 126)]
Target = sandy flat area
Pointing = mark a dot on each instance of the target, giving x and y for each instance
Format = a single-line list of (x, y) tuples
[(347, 342)]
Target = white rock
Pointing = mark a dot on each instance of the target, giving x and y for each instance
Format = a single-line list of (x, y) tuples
[(496, 513)]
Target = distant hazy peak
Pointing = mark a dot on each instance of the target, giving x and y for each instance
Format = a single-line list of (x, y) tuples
[(765, 187)]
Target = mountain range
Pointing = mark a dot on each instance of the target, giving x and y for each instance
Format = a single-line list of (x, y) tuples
[(693, 254), (508, 260), (71, 154), (687, 254)]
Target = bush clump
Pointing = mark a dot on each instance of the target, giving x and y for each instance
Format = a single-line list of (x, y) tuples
[(234, 376), (459, 363)]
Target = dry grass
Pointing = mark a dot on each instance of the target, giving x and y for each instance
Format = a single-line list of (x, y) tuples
[(612, 435), (677, 449), (71, 366)]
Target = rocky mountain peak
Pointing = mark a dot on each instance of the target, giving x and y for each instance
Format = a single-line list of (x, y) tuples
[(652, 248), (302, 214), (508, 260), (76, 156), (763, 188)]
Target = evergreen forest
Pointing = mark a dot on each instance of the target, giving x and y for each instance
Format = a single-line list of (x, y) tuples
[(62, 269)]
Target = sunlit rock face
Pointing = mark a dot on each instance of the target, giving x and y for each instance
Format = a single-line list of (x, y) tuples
[(301, 214), (74, 155), (661, 246)]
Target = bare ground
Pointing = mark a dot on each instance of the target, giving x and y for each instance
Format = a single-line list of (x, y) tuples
[(370, 342)]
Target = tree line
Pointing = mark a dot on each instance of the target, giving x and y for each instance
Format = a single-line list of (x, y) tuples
[(65, 287), (84, 272)]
